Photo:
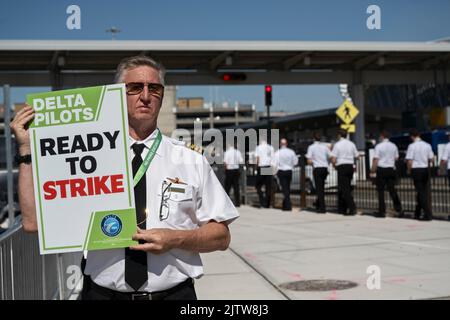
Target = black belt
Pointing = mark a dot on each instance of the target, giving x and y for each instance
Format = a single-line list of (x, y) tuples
[(157, 295)]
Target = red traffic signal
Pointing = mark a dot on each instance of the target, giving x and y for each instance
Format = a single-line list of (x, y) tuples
[(268, 95), (234, 76)]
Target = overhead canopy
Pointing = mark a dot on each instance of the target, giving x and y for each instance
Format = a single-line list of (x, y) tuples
[(75, 62)]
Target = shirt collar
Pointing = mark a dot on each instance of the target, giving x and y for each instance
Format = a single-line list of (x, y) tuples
[(148, 142)]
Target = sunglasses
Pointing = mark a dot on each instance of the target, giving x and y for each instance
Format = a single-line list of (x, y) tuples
[(155, 89)]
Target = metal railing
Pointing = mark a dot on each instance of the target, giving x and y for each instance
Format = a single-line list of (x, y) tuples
[(364, 189), (27, 275)]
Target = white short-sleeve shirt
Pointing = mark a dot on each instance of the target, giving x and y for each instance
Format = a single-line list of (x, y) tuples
[(285, 159), (318, 153), (446, 155), (233, 158), (265, 153), (194, 201), (345, 152), (420, 153), (386, 152)]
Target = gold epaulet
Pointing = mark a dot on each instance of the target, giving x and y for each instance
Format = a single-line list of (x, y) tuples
[(195, 148)]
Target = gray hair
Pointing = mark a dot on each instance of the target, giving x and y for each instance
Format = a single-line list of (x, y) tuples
[(137, 61)]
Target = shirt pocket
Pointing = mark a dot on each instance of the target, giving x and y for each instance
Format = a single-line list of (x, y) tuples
[(177, 207)]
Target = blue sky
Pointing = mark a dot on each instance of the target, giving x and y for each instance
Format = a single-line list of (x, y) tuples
[(319, 20)]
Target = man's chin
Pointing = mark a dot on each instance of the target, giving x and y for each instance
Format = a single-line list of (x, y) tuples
[(141, 116), (145, 117)]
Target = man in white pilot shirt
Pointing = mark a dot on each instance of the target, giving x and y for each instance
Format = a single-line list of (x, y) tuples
[(285, 160), (182, 212), (445, 160), (419, 158), (343, 156), (318, 155), (383, 164), (232, 159), (264, 159)]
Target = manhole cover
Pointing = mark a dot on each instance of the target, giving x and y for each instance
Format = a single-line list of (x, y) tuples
[(318, 285)]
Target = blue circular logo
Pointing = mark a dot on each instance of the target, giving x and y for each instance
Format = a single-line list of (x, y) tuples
[(111, 225)]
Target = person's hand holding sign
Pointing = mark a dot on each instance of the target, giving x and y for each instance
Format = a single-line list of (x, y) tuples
[(157, 240), (19, 126)]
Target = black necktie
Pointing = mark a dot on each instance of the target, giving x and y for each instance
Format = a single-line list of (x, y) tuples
[(136, 261)]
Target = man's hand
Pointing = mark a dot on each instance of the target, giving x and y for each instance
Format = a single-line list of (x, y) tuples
[(156, 240), (408, 167), (19, 127), (333, 161), (209, 237)]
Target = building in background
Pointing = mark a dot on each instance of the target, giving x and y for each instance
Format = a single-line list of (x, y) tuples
[(189, 111)]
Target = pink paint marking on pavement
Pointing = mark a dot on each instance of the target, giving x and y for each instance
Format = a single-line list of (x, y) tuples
[(250, 256), (294, 275), (333, 295), (397, 280)]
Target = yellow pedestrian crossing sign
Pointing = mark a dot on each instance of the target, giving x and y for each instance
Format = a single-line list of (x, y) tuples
[(347, 112)]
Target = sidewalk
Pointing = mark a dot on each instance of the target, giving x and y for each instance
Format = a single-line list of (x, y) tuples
[(270, 247), (227, 277)]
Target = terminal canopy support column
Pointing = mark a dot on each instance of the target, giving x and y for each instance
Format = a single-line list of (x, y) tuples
[(358, 100)]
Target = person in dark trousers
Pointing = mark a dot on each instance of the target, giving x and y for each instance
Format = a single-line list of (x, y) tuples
[(264, 157), (286, 160), (318, 156), (232, 160), (445, 160), (419, 158), (383, 166), (343, 158)]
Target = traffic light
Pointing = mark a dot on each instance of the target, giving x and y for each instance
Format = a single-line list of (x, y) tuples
[(268, 95), (234, 76)]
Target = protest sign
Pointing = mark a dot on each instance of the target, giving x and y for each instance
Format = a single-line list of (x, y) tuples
[(82, 176)]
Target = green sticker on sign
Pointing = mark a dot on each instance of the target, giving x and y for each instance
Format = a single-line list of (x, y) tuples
[(111, 229)]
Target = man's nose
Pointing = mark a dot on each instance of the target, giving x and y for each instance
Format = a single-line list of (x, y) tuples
[(145, 95)]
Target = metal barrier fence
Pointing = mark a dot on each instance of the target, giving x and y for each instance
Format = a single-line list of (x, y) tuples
[(364, 188), (26, 275), (366, 196)]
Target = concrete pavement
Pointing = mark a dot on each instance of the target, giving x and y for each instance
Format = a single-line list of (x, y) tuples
[(270, 247)]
